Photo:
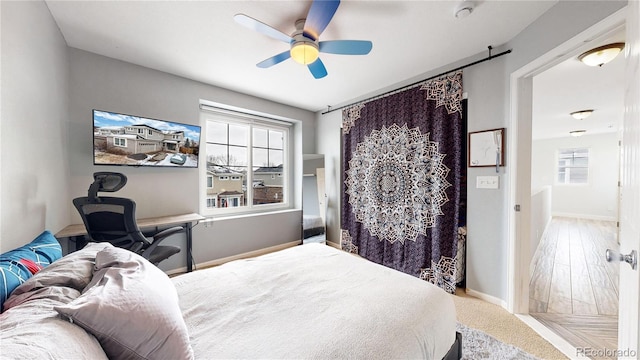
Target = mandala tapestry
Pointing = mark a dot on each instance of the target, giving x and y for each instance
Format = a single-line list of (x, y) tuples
[(404, 158)]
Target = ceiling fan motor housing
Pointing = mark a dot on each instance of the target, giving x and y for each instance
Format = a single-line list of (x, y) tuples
[(303, 49)]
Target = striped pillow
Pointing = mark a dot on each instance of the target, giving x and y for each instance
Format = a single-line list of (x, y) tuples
[(18, 265)]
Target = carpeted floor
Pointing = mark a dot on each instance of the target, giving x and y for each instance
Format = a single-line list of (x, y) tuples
[(503, 326), (478, 345)]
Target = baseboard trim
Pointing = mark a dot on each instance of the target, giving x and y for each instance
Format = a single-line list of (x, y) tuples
[(585, 216), (246, 255), (488, 298), (335, 245)]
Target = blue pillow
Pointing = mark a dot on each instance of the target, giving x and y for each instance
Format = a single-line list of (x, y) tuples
[(18, 265)]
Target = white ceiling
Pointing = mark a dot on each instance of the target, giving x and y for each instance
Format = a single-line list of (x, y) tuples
[(200, 40), (572, 86)]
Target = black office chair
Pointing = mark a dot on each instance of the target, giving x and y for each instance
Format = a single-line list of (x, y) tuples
[(113, 220)]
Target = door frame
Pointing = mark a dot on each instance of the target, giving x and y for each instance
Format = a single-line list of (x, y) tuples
[(519, 187)]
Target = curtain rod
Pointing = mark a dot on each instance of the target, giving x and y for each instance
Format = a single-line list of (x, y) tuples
[(490, 57)]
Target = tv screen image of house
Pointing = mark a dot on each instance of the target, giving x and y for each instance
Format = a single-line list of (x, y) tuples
[(121, 139)]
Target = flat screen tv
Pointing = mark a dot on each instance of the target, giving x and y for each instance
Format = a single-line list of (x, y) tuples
[(120, 139)]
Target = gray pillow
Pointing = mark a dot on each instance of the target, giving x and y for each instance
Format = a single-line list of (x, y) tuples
[(62, 281), (131, 307)]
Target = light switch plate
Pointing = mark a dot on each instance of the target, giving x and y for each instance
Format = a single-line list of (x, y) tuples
[(488, 182)]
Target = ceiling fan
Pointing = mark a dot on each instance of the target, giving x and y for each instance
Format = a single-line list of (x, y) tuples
[(304, 41)]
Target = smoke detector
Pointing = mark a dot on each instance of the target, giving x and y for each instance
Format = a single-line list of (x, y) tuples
[(464, 9)]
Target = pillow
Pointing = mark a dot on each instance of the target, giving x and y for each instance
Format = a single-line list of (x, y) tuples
[(18, 265), (131, 307), (33, 330), (71, 272)]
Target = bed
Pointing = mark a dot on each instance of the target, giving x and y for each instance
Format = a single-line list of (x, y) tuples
[(312, 225), (308, 301)]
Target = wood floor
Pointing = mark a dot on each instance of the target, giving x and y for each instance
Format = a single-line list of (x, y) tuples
[(573, 290)]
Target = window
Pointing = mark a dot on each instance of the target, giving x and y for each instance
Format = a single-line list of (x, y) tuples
[(209, 181), (244, 151), (573, 166), (120, 142)]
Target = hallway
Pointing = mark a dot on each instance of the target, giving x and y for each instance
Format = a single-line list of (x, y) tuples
[(573, 290)]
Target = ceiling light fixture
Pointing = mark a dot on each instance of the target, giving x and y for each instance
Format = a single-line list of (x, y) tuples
[(464, 9), (304, 52), (601, 55), (581, 114), (577, 133)]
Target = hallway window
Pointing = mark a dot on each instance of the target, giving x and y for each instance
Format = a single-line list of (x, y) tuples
[(573, 166)]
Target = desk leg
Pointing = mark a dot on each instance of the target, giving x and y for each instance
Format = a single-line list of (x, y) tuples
[(189, 246)]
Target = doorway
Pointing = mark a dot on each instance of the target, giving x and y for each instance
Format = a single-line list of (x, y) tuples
[(574, 208), (521, 224)]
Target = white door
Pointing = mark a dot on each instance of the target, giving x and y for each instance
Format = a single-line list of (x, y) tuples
[(628, 322)]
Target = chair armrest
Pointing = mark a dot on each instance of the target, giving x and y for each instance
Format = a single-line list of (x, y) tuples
[(166, 233), (157, 238), (136, 247)]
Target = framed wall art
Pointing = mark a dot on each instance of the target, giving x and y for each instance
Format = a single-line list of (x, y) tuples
[(486, 148)]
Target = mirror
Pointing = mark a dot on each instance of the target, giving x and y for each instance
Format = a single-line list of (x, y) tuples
[(314, 199)]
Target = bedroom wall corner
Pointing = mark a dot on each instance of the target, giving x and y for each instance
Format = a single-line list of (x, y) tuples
[(488, 89), (34, 134), (99, 82)]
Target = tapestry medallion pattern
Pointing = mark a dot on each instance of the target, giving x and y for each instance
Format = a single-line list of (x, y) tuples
[(442, 274), (396, 183), (446, 91), (346, 242), (349, 120), (404, 158)]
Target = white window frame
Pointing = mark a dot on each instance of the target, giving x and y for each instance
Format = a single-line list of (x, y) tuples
[(207, 181), (121, 140), (557, 167), (230, 116)]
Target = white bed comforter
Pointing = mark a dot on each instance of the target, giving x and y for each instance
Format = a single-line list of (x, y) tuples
[(314, 302)]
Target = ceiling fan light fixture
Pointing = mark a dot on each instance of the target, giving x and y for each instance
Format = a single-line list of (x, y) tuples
[(304, 52), (601, 55), (577, 133), (581, 114)]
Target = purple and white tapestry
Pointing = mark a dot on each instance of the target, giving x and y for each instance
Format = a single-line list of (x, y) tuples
[(403, 204)]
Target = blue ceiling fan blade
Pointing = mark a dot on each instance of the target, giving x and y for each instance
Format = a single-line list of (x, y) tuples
[(261, 27), (346, 47), (319, 16), (276, 59), (317, 69)]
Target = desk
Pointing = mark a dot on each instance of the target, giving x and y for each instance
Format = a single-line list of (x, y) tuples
[(185, 220)]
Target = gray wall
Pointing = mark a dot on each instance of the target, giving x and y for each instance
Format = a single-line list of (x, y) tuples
[(107, 84), (487, 86), (48, 92), (34, 142)]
